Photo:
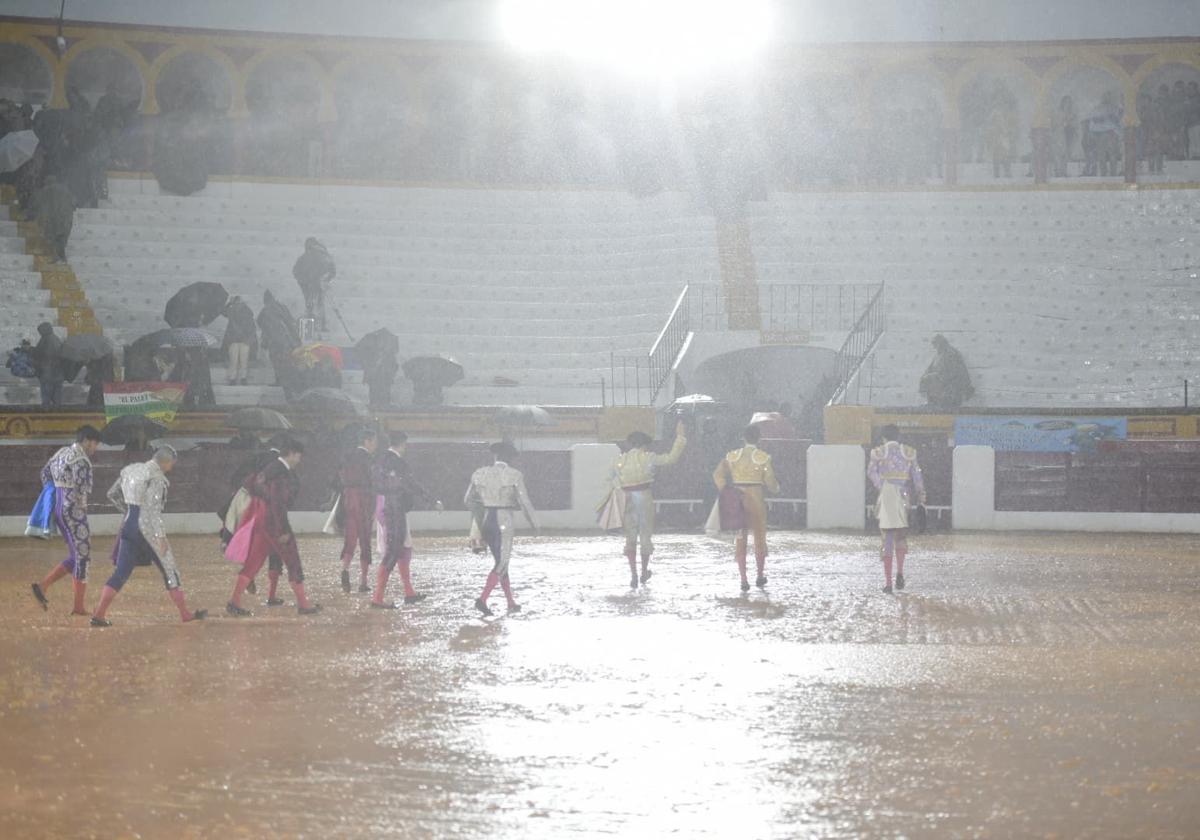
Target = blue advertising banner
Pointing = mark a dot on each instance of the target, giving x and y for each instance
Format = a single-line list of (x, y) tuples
[(1039, 434)]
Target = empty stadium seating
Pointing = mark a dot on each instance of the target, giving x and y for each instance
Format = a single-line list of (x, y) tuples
[(1086, 298)]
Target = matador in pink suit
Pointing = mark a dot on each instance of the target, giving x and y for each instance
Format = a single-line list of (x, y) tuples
[(893, 469)]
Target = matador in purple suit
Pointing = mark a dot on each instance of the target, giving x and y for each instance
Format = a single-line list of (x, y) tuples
[(70, 469)]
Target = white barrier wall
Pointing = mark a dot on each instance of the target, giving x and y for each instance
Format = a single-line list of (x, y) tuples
[(837, 487), (590, 466), (975, 506)]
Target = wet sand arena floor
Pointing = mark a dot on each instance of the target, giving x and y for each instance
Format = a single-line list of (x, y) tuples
[(1024, 686)]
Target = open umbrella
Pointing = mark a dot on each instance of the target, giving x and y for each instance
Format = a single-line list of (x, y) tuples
[(330, 401), (86, 347), (377, 344), (196, 305), (253, 418), (189, 337), (524, 416), (16, 148), (131, 427), (429, 374)]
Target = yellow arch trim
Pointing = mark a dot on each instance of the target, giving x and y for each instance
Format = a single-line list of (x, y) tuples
[(325, 109), (99, 40), (12, 35), (204, 48)]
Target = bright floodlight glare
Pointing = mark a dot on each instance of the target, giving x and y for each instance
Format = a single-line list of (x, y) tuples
[(658, 37)]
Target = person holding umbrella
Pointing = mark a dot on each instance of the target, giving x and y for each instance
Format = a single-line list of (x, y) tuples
[(314, 271), (633, 472), (264, 529), (749, 470), (70, 470), (140, 492), (497, 491), (358, 506)]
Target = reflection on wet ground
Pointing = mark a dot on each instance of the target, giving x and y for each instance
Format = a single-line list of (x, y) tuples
[(1025, 685)]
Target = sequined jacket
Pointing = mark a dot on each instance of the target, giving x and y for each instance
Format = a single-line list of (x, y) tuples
[(638, 466), (143, 485), (748, 465), (895, 463), (500, 486), (71, 471)]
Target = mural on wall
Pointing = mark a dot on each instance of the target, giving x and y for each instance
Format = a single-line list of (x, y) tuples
[(24, 75), (283, 96), (814, 136), (103, 70), (996, 109), (908, 109)]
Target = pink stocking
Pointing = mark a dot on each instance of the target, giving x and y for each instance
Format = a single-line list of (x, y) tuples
[(80, 587), (107, 594), (406, 572), (180, 604), (301, 598), (272, 584), (507, 587), (888, 542), (238, 588), (631, 554), (381, 582), (739, 554), (492, 580), (901, 553)]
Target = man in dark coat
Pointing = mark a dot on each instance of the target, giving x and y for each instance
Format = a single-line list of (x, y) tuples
[(280, 337), (47, 362), (54, 206), (946, 383), (314, 271), (241, 340)]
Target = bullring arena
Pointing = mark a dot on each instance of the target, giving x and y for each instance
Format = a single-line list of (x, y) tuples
[(939, 273)]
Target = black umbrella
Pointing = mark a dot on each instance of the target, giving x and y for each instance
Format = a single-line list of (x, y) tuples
[(258, 419), (330, 401), (429, 374), (196, 305), (375, 345), (86, 348), (131, 427)]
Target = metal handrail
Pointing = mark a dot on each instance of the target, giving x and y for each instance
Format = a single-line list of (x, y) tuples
[(857, 347)]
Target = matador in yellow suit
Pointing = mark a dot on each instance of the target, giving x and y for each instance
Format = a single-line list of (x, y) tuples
[(750, 471), (634, 473)]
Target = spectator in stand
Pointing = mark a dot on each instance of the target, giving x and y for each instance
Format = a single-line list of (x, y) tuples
[(314, 271), (241, 340), (280, 338), (1154, 130), (1000, 132), (1177, 120), (1192, 114), (946, 383), (1064, 128), (55, 208), (380, 375), (193, 370), (47, 362), (1104, 126), (99, 371)]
